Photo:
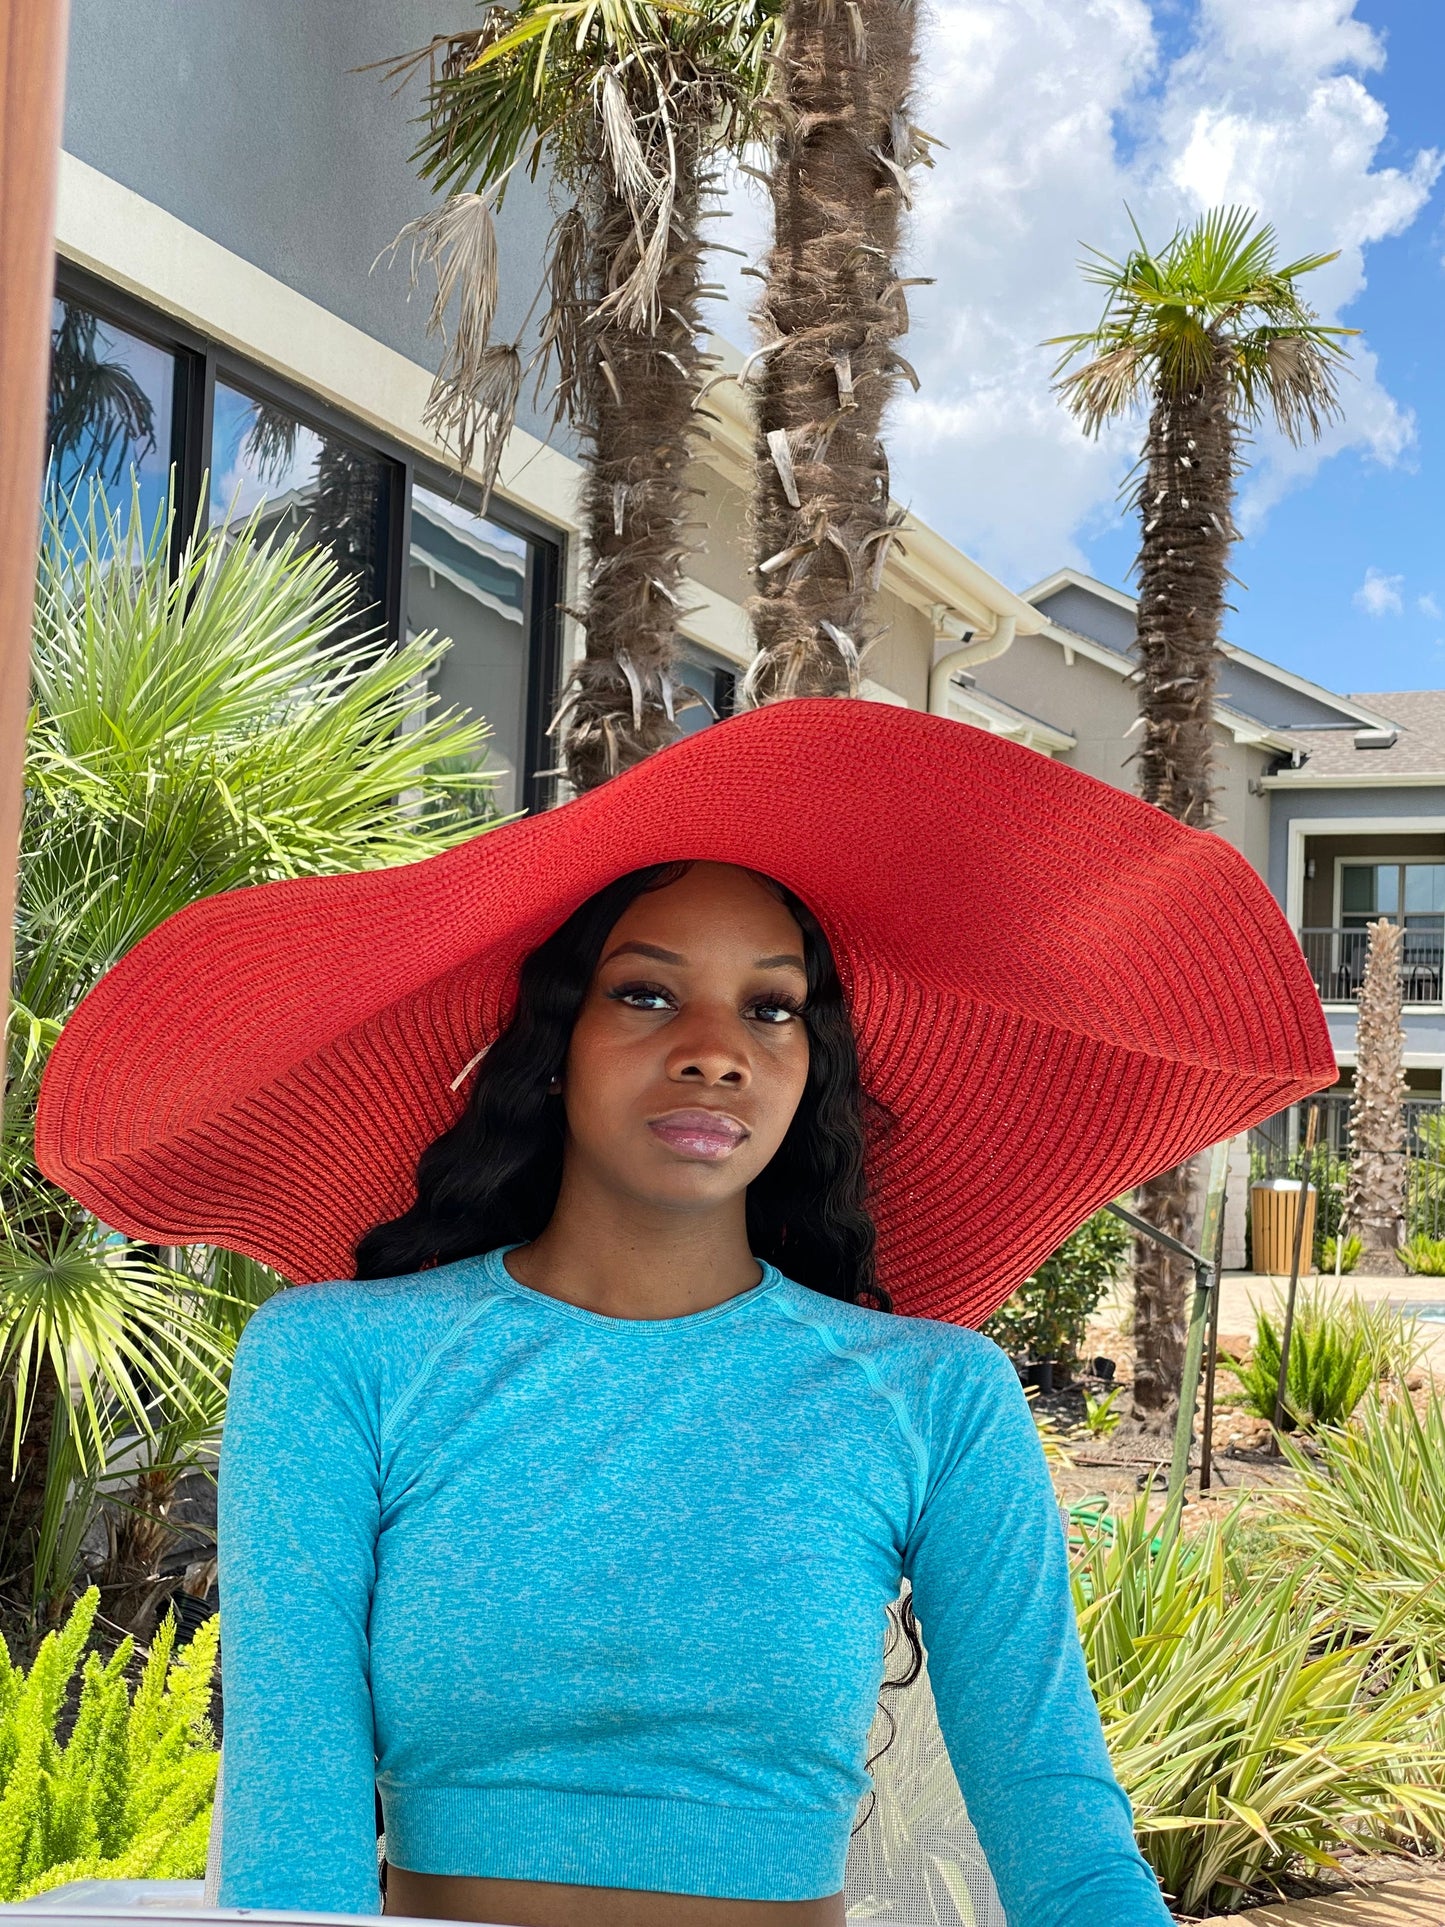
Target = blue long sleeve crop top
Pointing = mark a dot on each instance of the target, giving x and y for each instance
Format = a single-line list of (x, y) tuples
[(602, 1601)]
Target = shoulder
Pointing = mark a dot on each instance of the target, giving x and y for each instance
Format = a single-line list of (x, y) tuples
[(954, 1382), (916, 1347), (356, 1321)]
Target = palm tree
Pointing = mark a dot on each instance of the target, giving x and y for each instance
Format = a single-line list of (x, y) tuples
[(630, 103), (1212, 335), (1375, 1195), (831, 314), (191, 730)]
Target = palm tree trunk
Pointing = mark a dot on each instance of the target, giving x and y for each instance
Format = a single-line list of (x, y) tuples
[(1375, 1199), (1185, 500), (636, 390), (832, 312)]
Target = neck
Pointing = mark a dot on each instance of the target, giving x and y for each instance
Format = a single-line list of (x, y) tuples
[(627, 1259)]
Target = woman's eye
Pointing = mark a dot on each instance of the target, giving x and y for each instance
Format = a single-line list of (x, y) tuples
[(642, 997), (775, 1013)]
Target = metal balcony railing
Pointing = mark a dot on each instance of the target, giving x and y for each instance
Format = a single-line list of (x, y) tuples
[(1336, 960)]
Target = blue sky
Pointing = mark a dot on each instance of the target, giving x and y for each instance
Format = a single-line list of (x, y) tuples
[(1327, 115), (1346, 575)]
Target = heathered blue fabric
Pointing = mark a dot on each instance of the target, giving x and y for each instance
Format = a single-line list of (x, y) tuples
[(602, 1600)]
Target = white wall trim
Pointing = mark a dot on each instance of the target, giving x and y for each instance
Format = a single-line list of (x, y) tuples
[(1302, 826), (1367, 780), (136, 245)]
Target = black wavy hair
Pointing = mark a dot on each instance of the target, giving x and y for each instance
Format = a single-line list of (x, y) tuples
[(494, 1177)]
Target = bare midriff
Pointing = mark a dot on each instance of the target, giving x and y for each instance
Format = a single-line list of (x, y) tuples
[(540, 1903)]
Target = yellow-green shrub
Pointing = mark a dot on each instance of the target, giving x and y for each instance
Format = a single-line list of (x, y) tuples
[(129, 1794)]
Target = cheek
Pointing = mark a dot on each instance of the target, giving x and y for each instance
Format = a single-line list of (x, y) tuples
[(601, 1076)]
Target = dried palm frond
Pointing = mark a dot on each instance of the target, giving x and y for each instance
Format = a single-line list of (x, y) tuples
[(629, 101)]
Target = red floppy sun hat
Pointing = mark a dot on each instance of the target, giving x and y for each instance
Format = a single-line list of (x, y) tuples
[(1057, 992)]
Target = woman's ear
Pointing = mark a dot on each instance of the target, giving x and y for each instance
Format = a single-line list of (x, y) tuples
[(554, 1089)]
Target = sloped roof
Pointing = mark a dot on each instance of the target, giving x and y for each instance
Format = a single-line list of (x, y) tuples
[(1418, 714)]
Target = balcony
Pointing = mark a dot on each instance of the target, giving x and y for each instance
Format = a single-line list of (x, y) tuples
[(1336, 960)]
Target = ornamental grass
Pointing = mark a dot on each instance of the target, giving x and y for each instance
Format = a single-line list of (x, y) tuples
[(1250, 1726), (1368, 1517)]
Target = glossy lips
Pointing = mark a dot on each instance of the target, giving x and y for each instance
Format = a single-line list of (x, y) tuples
[(699, 1134)]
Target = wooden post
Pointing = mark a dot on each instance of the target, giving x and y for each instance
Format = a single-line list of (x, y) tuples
[(32, 88)]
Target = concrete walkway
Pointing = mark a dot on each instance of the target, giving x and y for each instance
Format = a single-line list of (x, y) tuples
[(1240, 1289)]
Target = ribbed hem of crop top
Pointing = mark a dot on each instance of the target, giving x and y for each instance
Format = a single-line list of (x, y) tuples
[(602, 1602), (614, 1840)]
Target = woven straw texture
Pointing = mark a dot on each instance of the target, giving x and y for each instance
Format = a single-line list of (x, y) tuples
[(1057, 992)]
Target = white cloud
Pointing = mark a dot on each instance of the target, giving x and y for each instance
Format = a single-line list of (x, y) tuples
[(1428, 606), (1379, 594), (1055, 114)]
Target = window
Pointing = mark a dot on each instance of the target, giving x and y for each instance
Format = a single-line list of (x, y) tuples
[(468, 579), (714, 679), (136, 397), (112, 410), (327, 491), (1408, 893)]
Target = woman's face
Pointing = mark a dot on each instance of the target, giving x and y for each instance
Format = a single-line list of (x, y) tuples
[(689, 1056)]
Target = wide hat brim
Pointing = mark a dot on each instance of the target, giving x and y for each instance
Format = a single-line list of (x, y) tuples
[(1057, 992)]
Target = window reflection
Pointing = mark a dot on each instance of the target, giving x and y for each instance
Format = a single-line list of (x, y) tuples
[(111, 408), (468, 581), (328, 492)]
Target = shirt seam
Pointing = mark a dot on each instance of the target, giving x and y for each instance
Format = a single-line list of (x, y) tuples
[(412, 1389), (869, 1368)]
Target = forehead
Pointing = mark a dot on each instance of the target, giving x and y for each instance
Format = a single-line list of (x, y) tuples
[(712, 900)]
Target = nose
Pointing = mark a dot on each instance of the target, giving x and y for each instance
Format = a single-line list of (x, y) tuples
[(714, 1052)]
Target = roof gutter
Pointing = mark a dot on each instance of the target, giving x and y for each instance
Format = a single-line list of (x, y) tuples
[(964, 657)]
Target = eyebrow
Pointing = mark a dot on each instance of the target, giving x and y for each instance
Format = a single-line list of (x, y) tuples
[(785, 960)]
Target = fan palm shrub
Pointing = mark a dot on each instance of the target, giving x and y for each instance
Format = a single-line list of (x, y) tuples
[(1250, 1728), (192, 730), (832, 312), (1210, 335), (630, 104)]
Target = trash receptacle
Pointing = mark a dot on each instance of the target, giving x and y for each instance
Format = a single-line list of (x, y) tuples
[(1273, 1207)]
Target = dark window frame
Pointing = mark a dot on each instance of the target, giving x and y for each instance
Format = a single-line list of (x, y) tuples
[(200, 361)]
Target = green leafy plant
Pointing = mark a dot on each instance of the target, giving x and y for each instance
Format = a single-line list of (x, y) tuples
[(1339, 1346), (128, 1794), (1247, 1725), (1045, 1318), (1100, 1418), (193, 728), (1348, 1255), (1367, 1515), (1424, 1255)]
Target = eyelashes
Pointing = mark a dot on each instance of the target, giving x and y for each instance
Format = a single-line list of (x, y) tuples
[(628, 992)]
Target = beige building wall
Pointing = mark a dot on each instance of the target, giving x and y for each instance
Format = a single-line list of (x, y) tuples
[(1098, 705), (901, 657), (724, 556)]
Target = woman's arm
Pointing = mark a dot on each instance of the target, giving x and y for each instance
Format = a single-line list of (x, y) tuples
[(989, 1564), (298, 1516)]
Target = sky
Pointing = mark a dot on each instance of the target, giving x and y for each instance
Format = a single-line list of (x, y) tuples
[(1327, 116)]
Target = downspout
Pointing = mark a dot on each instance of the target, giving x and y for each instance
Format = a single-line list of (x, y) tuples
[(964, 657)]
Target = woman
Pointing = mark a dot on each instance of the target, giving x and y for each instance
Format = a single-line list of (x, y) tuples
[(571, 1524)]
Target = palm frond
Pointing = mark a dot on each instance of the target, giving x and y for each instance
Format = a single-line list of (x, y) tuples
[(1213, 303)]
